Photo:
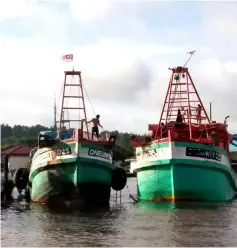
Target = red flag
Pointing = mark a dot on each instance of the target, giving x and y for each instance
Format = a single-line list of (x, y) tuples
[(135, 142), (67, 57), (191, 52)]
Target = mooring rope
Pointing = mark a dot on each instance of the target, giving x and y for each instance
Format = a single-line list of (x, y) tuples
[(131, 196)]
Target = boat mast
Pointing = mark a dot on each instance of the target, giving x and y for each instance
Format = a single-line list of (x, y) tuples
[(181, 95), (210, 112), (55, 111), (80, 97)]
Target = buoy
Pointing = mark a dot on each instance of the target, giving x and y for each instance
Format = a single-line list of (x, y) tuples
[(119, 179), (20, 179)]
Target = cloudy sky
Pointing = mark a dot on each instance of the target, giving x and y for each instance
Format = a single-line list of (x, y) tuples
[(123, 48)]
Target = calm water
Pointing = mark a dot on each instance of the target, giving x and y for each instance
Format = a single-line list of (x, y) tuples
[(128, 224)]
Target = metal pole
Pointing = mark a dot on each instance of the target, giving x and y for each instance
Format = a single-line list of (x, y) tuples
[(191, 55), (6, 172), (210, 112), (55, 113)]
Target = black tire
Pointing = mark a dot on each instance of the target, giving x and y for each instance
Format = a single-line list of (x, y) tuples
[(119, 179), (20, 179)]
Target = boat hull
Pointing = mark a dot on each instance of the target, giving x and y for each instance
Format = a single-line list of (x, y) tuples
[(177, 176), (77, 176)]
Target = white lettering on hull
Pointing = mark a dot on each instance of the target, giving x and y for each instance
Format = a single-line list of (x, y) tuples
[(99, 153), (51, 154)]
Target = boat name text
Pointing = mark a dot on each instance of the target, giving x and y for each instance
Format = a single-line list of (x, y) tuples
[(203, 153), (150, 153), (99, 153), (54, 152)]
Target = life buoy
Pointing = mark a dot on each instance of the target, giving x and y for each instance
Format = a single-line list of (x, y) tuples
[(119, 179), (20, 179)]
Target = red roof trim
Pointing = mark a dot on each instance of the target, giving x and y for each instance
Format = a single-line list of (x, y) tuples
[(19, 150)]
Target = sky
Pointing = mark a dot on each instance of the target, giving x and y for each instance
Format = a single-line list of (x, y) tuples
[(123, 49)]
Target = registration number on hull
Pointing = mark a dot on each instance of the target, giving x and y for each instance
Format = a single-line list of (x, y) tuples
[(63, 151), (53, 153), (147, 154), (203, 153)]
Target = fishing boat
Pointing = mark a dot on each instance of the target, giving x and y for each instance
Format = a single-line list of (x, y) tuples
[(68, 163), (185, 156)]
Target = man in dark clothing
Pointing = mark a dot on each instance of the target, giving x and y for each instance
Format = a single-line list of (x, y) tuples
[(95, 129), (163, 130)]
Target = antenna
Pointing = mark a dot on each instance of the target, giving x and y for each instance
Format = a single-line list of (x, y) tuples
[(55, 111)]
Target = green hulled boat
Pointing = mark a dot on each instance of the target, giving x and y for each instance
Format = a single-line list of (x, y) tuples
[(68, 164), (72, 169), (185, 156)]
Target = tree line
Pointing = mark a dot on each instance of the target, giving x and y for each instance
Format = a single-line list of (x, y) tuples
[(27, 135), (20, 134)]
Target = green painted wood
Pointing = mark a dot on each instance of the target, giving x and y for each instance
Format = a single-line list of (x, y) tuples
[(185, 178)]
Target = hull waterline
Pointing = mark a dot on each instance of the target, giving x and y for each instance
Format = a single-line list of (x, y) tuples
[(177, 177)]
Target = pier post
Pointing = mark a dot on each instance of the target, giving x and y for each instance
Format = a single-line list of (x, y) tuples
[(6, 173), (210, 112)]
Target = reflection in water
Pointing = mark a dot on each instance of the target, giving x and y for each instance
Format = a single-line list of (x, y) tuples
[(205, 225), (141, 224), (86, 227)]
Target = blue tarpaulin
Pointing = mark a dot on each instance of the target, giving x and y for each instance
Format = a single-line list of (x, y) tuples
[(53, 134), (233, 147)]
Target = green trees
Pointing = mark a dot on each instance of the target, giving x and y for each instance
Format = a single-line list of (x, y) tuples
[(27, 135)]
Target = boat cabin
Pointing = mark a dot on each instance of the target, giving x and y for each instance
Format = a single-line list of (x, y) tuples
[(50, 138)]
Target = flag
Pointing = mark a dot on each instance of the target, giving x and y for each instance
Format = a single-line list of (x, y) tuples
[(191, 52), (67, 57), (134, 141)]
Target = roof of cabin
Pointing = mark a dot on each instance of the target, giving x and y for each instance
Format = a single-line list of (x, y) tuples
[(18, 150), (131, 159)]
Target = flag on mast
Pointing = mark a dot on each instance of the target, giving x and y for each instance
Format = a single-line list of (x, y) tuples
[(67, 57), (191, 52)]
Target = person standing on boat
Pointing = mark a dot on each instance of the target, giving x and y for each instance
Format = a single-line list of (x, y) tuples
[(198, 113), (164, 133), (95, 129), (185, 113)]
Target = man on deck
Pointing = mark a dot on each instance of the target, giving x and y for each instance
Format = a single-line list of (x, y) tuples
[(95, 128), (198, 113)]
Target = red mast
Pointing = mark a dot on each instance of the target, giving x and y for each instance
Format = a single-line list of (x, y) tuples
[(182, 95), (80, 106)]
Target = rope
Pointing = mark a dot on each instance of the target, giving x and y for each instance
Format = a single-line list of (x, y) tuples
[(89, 99), (131, 196), (170, 105), (57, 112), (90, 102)]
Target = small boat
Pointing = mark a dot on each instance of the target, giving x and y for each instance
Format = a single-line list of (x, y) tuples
[(185, 156), (67, 163)]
